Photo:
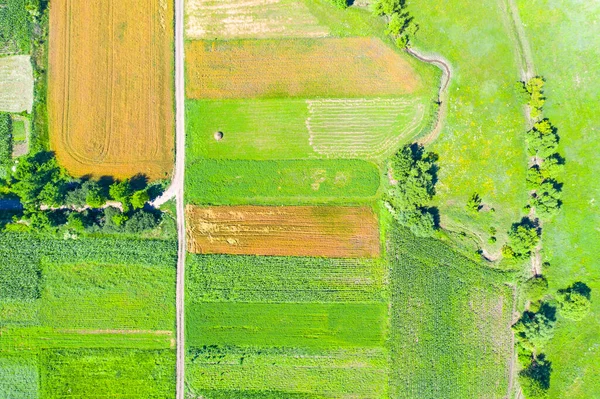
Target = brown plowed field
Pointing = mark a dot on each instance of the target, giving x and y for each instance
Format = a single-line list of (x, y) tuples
[(111, 86), (343, 232), (348, 67)]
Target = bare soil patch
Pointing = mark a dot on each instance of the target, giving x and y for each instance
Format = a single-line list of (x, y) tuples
[(283, 231), (16, 84)]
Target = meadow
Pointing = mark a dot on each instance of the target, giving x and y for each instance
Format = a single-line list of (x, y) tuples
[(481, 145), (112, 79), (566, 53), (450, 323)]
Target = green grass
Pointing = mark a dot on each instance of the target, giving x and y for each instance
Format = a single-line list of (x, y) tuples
[(262, 129), (214, 182), (91, 296), (215, 278), (481, 146), (306, 325), (450, 327), (107, 373), (248, 373), (18, 130), (14, 27), (566, 49), (18, 376)]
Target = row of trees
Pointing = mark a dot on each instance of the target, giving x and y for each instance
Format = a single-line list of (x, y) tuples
[(412, 174), (51, 198), (535, 328)]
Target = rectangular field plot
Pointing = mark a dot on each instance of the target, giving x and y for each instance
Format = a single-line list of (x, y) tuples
[(127, 297), (239, 182), (217, 278), (111, 87), (293, 230), (108, 373), (235, 19), (262, 129), (18, 376), (297, 68), (230, 373), (450, 323), (302, 325), (16, 83)]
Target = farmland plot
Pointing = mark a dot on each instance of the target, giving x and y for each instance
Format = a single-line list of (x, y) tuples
[(237, 19), (303, 325), (18, 376), (218, 278), (16, 84), (218, 371), (263, 129), (305, 68), (111, 87), (299, 230)]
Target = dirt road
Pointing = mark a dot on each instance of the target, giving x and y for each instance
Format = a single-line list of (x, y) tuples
[(177, 189)]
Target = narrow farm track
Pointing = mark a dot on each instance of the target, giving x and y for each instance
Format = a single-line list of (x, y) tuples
[(177, 188), (444, 65)]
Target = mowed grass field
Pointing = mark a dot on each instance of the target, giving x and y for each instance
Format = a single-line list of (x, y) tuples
[(304, 68), (110, 89), (481, 145), (450, 330), (565, 40), (286, 128), (343, 232), (293, 327), (92, 317), (16, 83)]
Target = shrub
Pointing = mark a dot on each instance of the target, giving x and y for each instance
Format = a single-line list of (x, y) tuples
[(574, 302), (535, 288), (474, 203), (340, 3)]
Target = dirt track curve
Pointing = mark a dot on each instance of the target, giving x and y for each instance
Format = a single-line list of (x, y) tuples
[(444, 65)]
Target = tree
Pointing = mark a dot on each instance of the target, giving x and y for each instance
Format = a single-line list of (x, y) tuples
[(121, 191), (574, 302), (340, 3), (534, 330), (94, 197), (139, 199), (535, 288), (33, 174), (387, 7), (523, 237), (76, 221), (535, 379), (141, 221)]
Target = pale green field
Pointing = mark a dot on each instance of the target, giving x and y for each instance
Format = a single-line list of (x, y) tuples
[(565, 38)]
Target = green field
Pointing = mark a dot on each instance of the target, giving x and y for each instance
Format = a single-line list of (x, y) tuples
[(225, 182), (217, 372), (219, 278), (481, 146), (18, 130), (107, 374), (566, 52), (304, 325), (450, 331), (87, 315), (14, 28)]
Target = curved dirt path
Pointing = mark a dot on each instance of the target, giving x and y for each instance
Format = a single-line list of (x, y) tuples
[(444, 65)]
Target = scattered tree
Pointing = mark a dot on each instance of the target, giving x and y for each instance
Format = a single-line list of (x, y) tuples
[(523, 237), (574, 302)]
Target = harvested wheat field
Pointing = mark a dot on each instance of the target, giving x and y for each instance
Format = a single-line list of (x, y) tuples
[(341, 232), (238, 19), (329, 67), (111, 86)]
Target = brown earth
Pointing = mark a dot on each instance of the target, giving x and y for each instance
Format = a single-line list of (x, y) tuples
[(111, 86), (347, 67), (345, 232)]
